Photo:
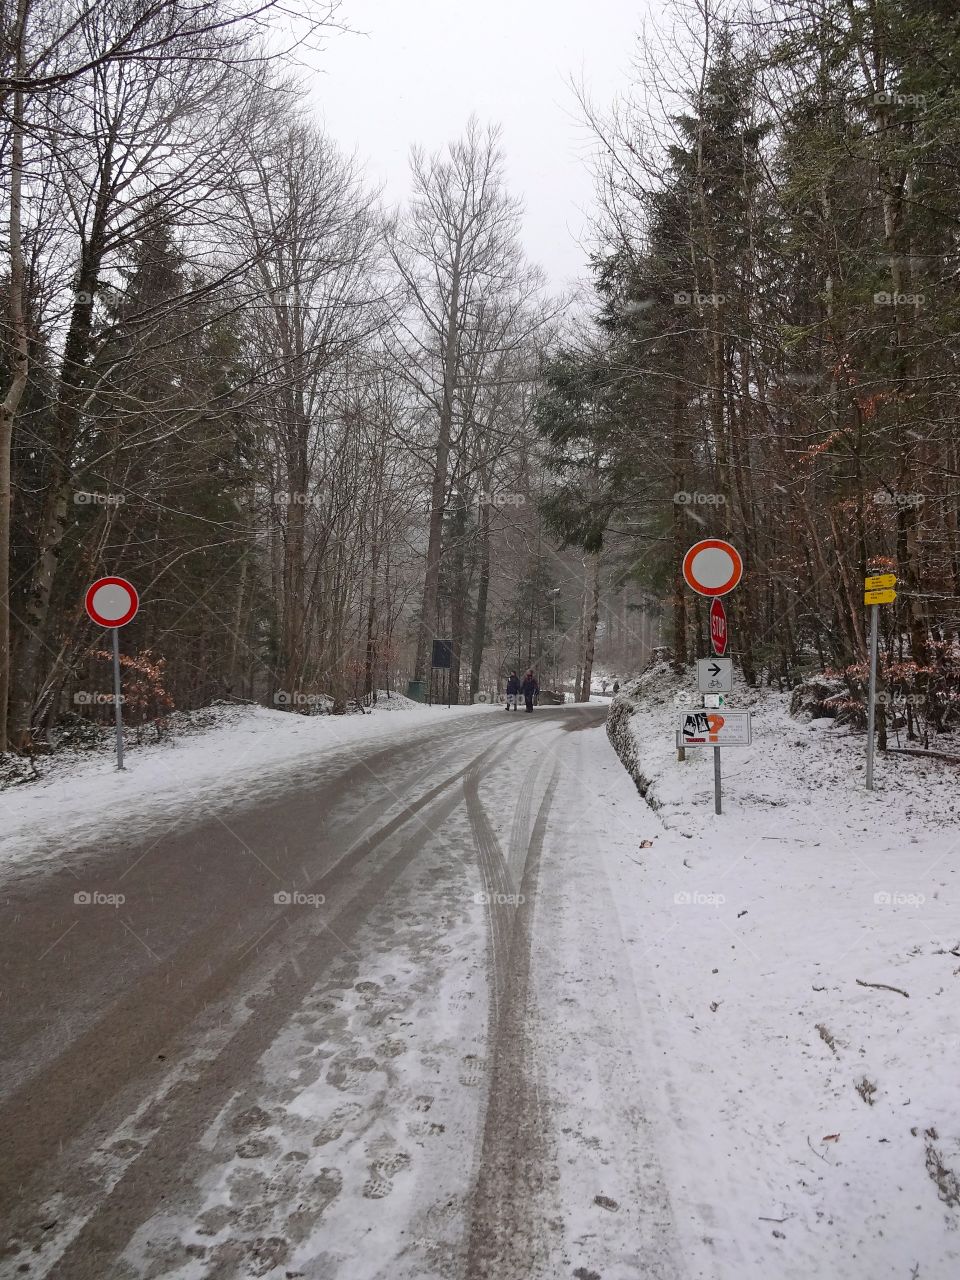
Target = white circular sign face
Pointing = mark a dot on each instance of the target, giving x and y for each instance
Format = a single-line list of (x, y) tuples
[(712, 567), (111, 602)]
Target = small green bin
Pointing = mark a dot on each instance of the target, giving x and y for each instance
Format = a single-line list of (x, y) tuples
[(417, 690)]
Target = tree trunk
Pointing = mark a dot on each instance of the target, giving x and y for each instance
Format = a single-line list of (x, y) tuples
[(431, 584), (593, 596), (480, 622), (19, 357)]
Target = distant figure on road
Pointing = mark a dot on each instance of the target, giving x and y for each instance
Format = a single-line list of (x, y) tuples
[(513, 689), (529, 689), (616, 687)]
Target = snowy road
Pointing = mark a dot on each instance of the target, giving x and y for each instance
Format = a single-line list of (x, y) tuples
[(339, 1032)]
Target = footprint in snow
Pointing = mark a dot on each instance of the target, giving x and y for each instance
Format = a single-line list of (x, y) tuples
[(250, 1120), (345, 1073), (336, 1122), (255, 1148), (382, 1170), (321, 1192), (471, 1070)]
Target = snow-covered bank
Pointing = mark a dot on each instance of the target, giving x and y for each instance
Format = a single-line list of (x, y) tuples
[(804, 948), (241, 752)]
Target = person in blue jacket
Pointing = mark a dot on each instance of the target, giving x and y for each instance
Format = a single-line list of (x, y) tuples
[(513, 689), (529, 688)]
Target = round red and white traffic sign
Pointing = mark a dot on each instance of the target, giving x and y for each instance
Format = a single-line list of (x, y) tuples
[(112, 602), (712, 567)]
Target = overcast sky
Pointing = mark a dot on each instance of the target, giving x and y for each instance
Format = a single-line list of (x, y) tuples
[(423, 66)]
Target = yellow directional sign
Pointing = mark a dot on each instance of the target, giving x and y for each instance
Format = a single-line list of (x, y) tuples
[(880, 581), (879, 597)]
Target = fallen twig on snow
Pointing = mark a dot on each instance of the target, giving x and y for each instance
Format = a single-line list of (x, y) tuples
[(882, 986)]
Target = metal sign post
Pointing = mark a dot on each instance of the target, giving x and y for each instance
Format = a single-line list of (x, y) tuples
[(872, 695), (112, 603), (117, 714), (877, 590), (716, 780)]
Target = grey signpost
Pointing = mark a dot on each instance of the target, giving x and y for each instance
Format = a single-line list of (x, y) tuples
[(117, 713), (112, 603), (872, 695), (877, 590)]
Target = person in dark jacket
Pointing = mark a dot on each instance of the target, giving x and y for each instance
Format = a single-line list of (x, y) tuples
[(513, 689), (529, 688)]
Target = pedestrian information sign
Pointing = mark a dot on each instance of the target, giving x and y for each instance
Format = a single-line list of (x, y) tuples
[(886, 596), (442, 654), (879, 581), (715, 675), (714, 728)]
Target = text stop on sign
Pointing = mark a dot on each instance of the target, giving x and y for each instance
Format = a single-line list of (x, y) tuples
[(718, 627)]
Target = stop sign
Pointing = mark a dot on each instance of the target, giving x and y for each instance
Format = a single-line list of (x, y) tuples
[(718, 627)]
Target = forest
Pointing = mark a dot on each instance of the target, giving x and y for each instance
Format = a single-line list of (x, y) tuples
[(317, 431)]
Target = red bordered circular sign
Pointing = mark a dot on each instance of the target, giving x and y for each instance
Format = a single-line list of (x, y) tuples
[(111, 602), (712, 567)]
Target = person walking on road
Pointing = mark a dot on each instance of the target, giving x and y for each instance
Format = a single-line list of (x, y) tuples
[(513, 689), (529, 688)]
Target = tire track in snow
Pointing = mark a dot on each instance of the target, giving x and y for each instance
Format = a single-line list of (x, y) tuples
[(504, 1239), (97, 1212)]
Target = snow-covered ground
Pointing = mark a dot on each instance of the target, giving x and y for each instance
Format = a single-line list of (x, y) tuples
[(808, 1122), (217, 759), (661, 1055)]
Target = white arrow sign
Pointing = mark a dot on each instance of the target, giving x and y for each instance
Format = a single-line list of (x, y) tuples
[(715, 675)]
